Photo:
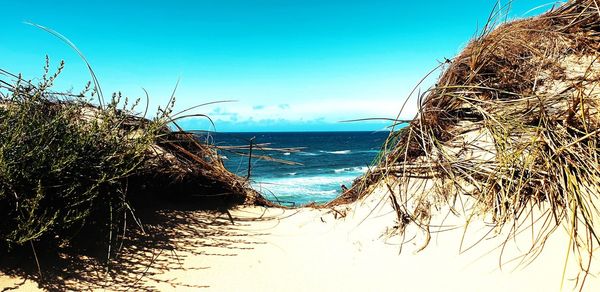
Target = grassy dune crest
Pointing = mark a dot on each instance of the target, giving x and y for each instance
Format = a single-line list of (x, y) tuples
[(511, 125)]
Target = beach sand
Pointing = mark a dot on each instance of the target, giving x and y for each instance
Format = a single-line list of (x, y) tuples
[(310, 250)]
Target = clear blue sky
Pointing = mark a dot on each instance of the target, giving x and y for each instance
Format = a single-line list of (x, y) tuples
[(291, 65)]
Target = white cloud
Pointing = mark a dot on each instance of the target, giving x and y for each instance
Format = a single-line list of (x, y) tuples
[(331, 110)]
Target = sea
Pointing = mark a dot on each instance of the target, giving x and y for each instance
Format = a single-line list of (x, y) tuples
[(321, 163)]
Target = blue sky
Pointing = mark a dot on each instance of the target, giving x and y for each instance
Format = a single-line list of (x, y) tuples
[(290, 65)]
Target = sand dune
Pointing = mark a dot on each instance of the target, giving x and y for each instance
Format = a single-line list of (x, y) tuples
[(312, 251), (309, 250)]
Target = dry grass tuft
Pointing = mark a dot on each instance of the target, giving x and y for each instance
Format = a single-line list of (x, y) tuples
[(512, 123)]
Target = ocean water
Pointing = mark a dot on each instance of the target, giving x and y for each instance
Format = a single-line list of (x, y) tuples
[(328, 160)]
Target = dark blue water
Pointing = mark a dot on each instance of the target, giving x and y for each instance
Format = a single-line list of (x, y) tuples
[(328, 160)]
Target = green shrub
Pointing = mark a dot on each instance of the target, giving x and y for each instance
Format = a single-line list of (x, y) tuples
[(64, 162)]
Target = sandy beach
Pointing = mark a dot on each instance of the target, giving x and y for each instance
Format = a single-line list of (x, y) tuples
[(310, 250)]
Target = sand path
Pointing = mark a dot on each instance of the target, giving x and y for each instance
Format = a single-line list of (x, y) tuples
[(310, 250)]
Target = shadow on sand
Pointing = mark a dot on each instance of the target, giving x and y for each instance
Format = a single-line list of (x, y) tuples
[(171, 234)]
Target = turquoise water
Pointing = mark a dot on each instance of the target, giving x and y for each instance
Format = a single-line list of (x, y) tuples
[(328, 160)]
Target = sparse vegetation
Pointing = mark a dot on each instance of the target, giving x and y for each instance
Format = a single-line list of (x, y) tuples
[(67, 166)]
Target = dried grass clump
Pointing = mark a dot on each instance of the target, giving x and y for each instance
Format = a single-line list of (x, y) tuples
[(69, 168), (512, 123)]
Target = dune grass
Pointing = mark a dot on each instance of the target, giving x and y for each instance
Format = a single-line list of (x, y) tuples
[(513, 124)]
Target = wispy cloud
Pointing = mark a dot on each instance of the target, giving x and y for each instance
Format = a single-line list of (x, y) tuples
[(327, 111)]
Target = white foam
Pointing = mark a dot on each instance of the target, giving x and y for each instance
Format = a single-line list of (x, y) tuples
[(303, 188), (361, 169), (306, 181), (322, 193), (357, 169), (287, 153), (338, 152)]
